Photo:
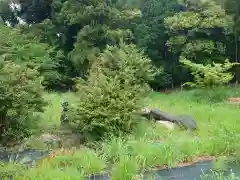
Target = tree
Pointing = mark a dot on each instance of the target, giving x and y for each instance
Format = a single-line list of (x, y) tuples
[(150, 35), (29, 11), (199, 32), (95, 25), (7, 14), (129, 3), (18, 48), (109, 101), (77, 29), (20, 100), (35, 11)]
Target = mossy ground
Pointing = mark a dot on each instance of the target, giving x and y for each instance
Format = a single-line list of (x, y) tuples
[(150, 145)]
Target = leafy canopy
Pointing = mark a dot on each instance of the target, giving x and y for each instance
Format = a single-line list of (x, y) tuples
[(198, 32), (18, 48)]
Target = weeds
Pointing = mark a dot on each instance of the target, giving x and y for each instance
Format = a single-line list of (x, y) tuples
[(126, 168), (219, 176), (84, 160), (48, 174), (114, 148), (150, 145)]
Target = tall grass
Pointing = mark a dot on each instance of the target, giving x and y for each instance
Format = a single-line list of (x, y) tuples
[(126, 168), (51, 117), (151, 145), (218, 125), (219, 176), (62, 165)]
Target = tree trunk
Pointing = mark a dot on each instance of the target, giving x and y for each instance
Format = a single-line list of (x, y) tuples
[(237, 70)]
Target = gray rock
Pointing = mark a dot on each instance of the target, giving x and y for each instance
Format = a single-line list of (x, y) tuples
[(183, 121)]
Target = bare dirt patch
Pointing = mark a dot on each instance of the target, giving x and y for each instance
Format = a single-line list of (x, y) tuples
[(188, 162), (234, 100), (195, 160)]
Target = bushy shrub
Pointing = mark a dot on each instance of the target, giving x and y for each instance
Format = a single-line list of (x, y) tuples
[(211, 75), (210, 80), (20, 100), (111, 97)]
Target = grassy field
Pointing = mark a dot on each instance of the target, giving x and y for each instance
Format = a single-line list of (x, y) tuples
[(150, 145)]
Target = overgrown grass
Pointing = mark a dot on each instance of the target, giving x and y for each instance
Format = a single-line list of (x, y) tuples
[(209, 95), (219, 176), (150, 145), (218, 125), (51, 116)]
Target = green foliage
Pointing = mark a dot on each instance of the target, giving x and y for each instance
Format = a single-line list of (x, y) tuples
[(128, 64), (150, 35), (89, 27), (111, 97), (79, 31), (232, 8), (18, 48), (6, 14), (129, 3), (34, 11), (61, 164), (150, 32), (198, 32), (210, 75), (20, 100)]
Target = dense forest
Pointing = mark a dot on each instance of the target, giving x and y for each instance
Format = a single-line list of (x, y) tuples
[(64, 37)]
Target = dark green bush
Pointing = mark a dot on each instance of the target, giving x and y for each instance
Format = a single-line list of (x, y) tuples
[(111, 97), (20, 100)]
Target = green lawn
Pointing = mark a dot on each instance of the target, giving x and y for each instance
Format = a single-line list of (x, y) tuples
[(150, 145)]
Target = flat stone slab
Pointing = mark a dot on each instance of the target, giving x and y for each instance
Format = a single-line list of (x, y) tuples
[(167, 124)]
